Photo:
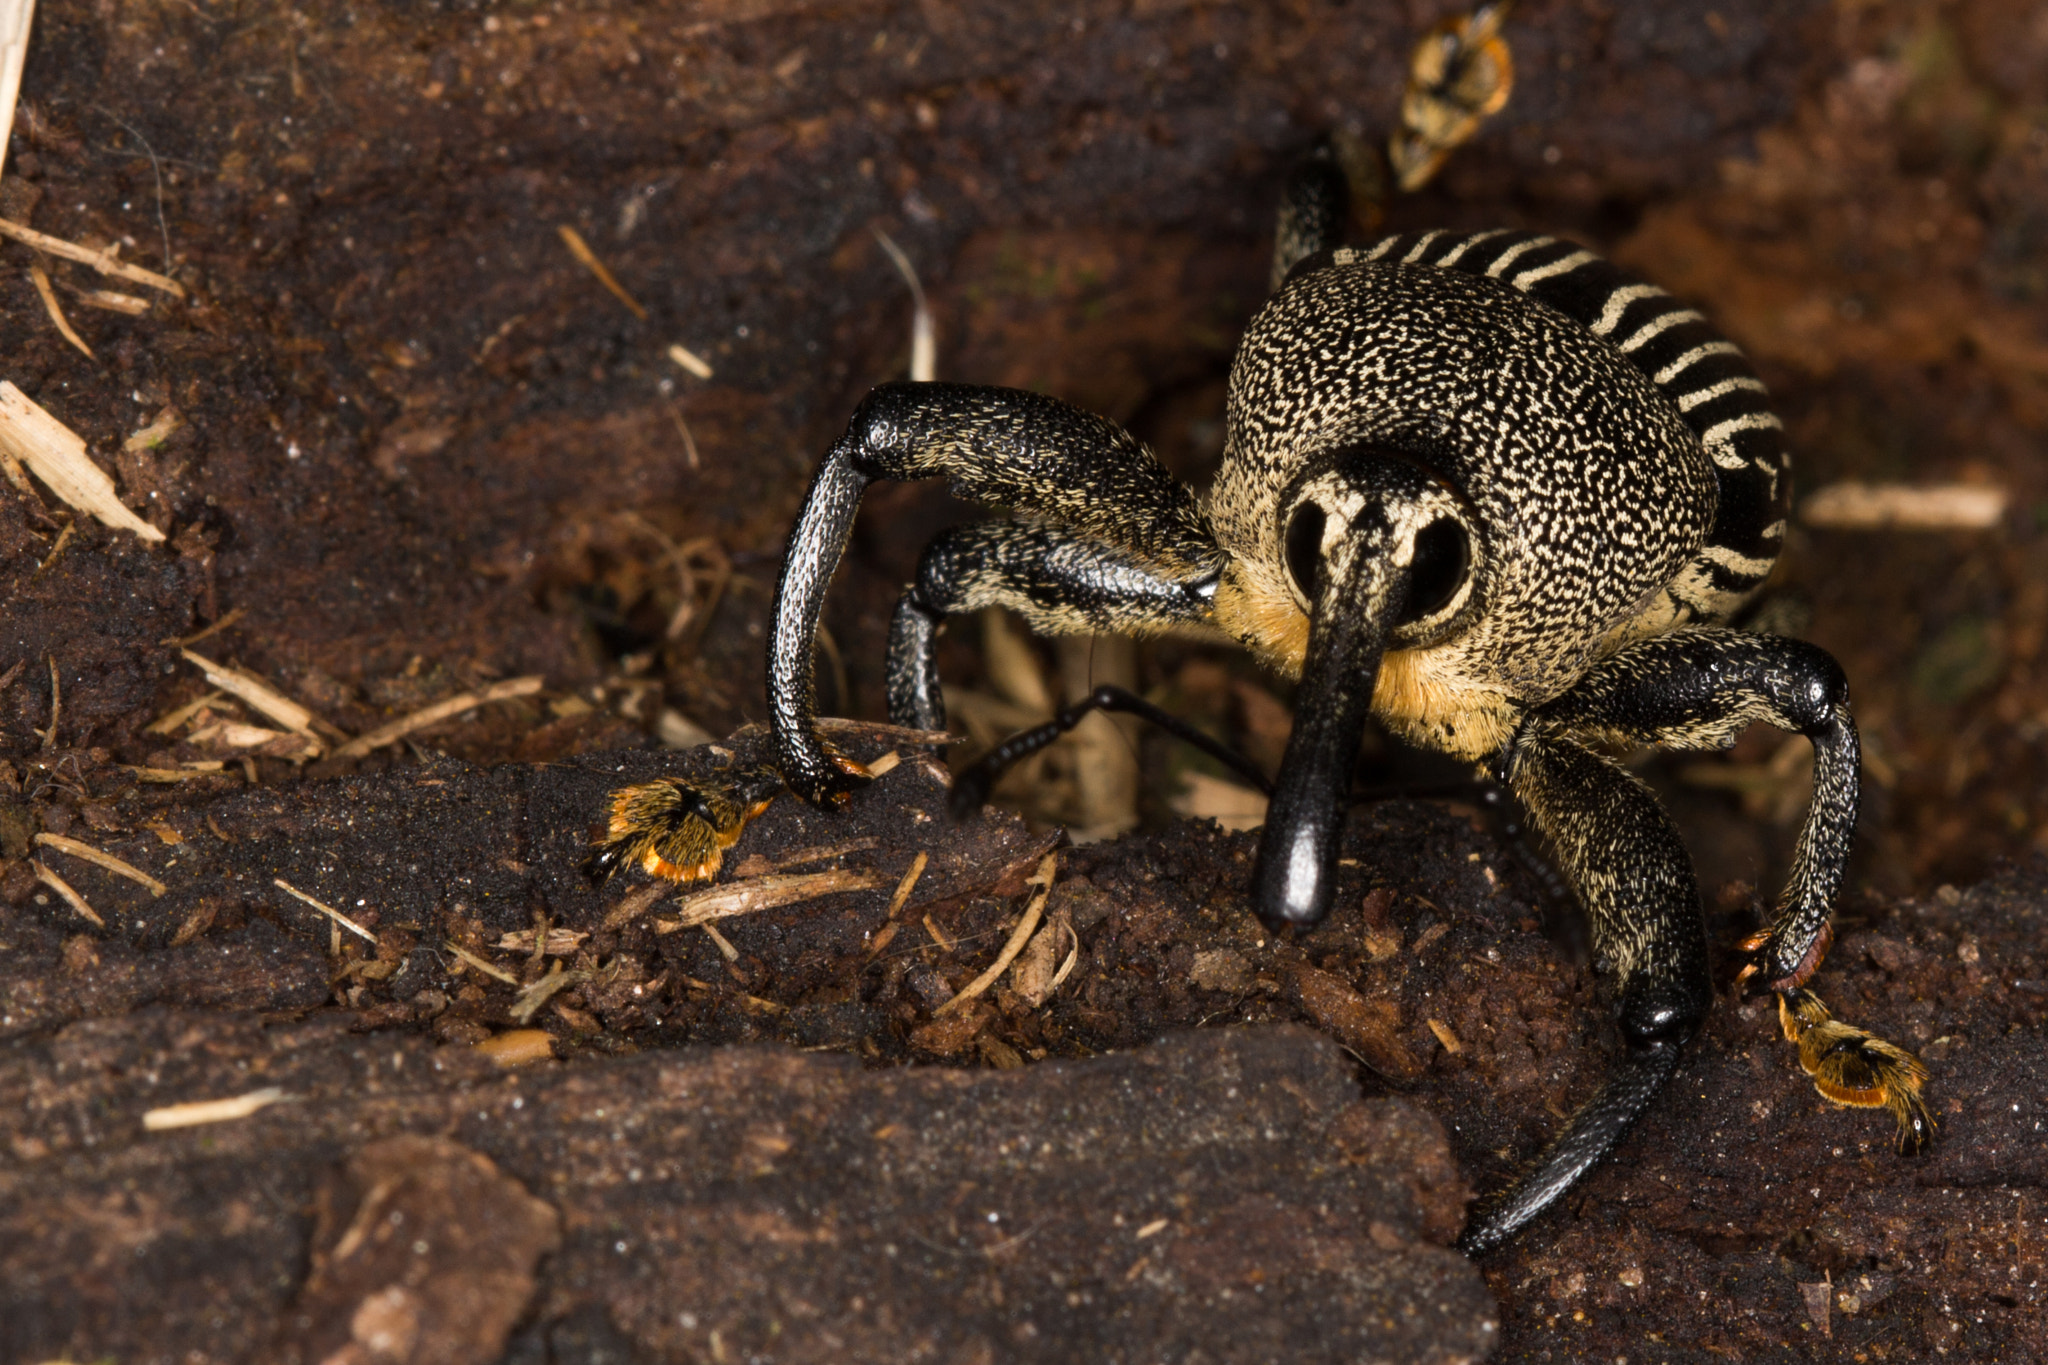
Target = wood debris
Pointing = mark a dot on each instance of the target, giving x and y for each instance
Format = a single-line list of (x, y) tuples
[(1042, 879), (764, 893), (156, 433), (54, 453), (580, 249), (433, 715), (41, 279), (691, 361), (196, 1112), (99, 859), (484, 965), (103, 261), (557, 942), (1907, 507), (71, 897), (533, 996), (341, 921), (113, 302), (256, 692), (1444, 1035), (517, 1047)]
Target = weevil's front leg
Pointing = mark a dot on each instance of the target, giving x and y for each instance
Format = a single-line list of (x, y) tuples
[(1698, 689), (1003, 447), (1624, 858)]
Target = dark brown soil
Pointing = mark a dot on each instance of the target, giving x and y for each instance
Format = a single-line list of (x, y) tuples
[(420, 448)]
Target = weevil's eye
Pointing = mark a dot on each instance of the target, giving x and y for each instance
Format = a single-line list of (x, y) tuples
[(1305, 549), (1442, 556)]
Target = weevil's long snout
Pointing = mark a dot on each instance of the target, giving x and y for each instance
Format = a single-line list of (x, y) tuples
[(1362, 550)]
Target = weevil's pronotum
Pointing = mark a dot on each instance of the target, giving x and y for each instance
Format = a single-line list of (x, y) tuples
[(1484, 487)]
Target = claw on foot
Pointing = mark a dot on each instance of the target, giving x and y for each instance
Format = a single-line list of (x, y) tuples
[(1854, 1067), (680, 830), (1460, 73), (1761, 957)]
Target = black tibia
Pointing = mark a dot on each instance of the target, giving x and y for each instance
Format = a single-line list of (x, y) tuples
[(1058, 582), (1003, 447), (1624, 858), (971, 788), (1698, 689), (1313, 209)]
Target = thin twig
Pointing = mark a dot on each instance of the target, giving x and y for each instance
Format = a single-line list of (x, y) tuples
[(580, 249), (103, 261), (106, 860), (63, 888), (487, 968), (340, 919), (256, 692), (226, 619), (56, 704), (211, 1111), (909, 883), (435, 714), (1042, 879), (41, 279)]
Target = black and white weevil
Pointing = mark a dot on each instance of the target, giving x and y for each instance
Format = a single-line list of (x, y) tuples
[(1484, 487)]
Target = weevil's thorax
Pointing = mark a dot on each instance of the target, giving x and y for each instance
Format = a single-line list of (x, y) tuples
[(1587, 491)]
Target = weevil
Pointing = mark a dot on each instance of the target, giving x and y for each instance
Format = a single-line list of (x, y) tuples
[(1485, 487)]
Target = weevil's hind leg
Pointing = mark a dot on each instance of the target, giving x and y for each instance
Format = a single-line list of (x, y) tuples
[(1624, 857), (1698, 689), (680, 830), (1080, 474), (1459, 74), (1060, 584)]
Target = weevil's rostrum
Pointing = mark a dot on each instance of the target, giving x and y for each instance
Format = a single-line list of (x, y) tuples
[(1487, 488)]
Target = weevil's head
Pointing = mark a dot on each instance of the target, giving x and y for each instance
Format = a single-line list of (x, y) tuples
[(1382, 552)]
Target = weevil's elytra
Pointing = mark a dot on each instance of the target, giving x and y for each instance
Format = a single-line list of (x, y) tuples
[(1486, 487)]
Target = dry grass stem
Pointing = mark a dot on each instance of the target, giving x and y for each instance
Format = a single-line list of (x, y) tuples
[(56, 704), (818, 853), (764, 893), (211, 1111), (256, 692), (1446, 1037), (924, 347), (71, 897), (156, 433), (103, 261), (931, 926), (1021, 935), (532, 997), (907, 885), (580, 249), (1889, 506), (341, 921), (178, 715), (63, 539), (438, 712), (41, 279), (691, 361), (106, 860), (723, 944), (690, 455), (56, 454), (226, 619), (113, 302), (483, 965)]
